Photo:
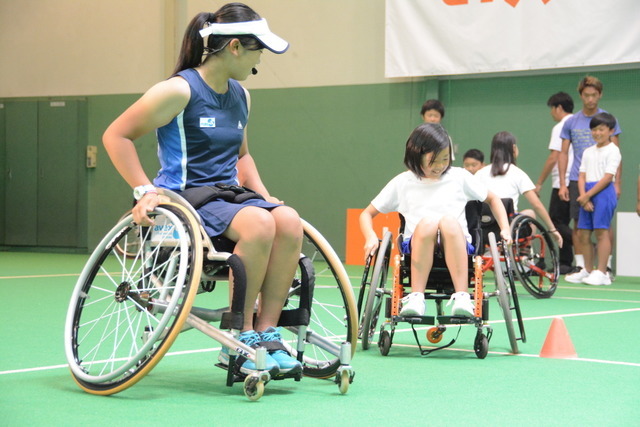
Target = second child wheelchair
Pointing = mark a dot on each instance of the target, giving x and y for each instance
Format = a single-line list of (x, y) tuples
[(136, 294), (373, 292), (535, 255)]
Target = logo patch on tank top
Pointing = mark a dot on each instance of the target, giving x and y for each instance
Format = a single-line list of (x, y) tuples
[(240, 125), (207, 122)]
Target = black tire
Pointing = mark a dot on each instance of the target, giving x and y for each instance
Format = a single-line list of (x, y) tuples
[(375, 294), (503, 293), (535, 257)]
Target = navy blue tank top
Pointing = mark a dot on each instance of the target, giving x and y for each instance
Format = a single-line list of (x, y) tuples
[(200, 145)]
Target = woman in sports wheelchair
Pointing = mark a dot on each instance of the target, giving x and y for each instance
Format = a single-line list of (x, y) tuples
[(432, 197), (200, 116)]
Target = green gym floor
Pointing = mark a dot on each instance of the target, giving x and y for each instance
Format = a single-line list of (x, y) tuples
[(449, 387)]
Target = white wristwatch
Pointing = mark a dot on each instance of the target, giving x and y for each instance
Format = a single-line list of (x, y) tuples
[(141, 190)]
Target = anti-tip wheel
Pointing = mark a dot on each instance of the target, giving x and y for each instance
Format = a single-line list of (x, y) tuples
[(253, 387), (345, 380), (434, 335)]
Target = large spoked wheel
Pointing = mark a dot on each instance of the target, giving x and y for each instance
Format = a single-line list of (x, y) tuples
[(504, 293), (333, 317), (127, 309), (535, 256), (375, 296)]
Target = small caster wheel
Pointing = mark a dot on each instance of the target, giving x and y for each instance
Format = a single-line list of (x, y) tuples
[(434, 335), (253, 387), (344, 381), (384, 343), (481, 346)]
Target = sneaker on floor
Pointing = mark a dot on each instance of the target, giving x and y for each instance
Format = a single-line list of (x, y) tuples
[(413, 305), (251, 339), (610, 274), (272, 340), (597, 278), (577, 276), (462, 305)]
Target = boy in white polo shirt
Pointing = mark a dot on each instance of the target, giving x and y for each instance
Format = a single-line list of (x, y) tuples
[(597, 197)]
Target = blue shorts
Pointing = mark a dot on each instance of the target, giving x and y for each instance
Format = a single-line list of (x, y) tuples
[(218, 214), (604, 206), (405, 246)]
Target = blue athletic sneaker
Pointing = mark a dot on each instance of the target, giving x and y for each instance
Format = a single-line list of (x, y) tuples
[(252, 339), (272, 340)]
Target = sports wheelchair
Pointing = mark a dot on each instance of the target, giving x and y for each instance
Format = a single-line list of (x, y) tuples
[(135, 295), (535, 254), (439, 288)]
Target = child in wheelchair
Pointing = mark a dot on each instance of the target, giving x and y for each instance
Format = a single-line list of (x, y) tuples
[(432, 196), (508, 181)]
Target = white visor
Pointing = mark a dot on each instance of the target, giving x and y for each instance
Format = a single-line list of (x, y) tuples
[(258, 29)]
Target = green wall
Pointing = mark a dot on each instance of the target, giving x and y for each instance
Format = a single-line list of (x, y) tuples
[(326, 149)]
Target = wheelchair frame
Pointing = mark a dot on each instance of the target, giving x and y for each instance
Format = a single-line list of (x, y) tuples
[(136, 291)]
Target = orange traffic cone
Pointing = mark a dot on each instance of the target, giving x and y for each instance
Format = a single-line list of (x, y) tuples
[(558, 343)]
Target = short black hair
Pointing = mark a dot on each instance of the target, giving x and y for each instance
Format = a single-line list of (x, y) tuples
[(474, 153), (603, 119), (563, 99), (432, 104), (426, 138)]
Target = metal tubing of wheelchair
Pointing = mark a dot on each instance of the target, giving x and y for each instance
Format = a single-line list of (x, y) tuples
[(315, 339), (223, 337)]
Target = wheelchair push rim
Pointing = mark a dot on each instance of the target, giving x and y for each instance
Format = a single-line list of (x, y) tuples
[(535, 257), (126, 310)]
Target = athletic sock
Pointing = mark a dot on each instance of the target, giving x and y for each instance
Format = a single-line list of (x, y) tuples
[(579, 260)]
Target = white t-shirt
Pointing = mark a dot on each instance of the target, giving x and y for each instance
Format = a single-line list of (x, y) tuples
[(510, 185), (555, 144), (597, 161), (417, 198)]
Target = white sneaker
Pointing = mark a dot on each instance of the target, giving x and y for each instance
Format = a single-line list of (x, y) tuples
[(597, 278), (413, 304), (462, 305), (577, 276)]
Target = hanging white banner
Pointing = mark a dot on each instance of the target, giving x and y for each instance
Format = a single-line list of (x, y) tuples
[(445, 37)]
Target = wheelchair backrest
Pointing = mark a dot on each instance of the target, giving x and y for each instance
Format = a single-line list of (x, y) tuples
[(488, 221)]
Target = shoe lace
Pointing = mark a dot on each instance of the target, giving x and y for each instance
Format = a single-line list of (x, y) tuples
[(250, 338), (271, 335)]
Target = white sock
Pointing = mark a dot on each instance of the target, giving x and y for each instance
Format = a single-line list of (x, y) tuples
[(579, 260), (609, 262)]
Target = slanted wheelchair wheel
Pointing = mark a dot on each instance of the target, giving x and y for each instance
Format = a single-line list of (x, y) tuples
[(504, 293), (375, 294), (535, 256), (126, 310), (333, 317)]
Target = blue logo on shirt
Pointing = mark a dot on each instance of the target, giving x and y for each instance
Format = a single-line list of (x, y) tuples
[(207, 122)]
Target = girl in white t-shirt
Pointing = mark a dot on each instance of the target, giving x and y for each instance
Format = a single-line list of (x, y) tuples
[(432, 197), (508, 181)]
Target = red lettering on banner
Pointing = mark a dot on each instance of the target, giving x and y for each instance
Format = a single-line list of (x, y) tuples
[(512, 3)]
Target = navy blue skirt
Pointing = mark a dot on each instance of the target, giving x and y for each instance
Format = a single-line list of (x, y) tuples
[(218, 214)]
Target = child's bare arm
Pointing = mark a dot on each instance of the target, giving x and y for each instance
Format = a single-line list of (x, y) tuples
[(366, 226), (497, 208)]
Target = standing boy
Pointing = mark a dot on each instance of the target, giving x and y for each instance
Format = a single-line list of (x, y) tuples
[(576, 133), (561, 105), (597, 197)]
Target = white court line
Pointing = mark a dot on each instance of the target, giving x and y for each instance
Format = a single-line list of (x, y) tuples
[(579, 359)]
